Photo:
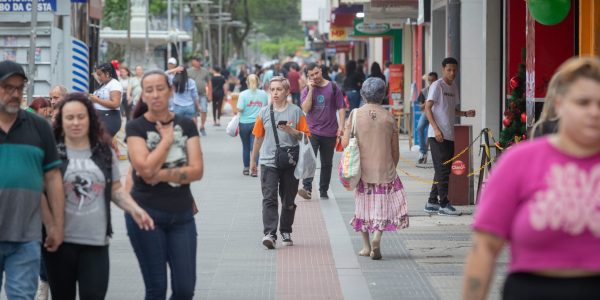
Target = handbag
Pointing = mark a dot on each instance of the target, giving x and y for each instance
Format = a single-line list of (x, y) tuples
[(285, 157), (349, 167)]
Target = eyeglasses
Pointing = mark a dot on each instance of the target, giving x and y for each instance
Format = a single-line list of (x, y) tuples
[(10, 89)]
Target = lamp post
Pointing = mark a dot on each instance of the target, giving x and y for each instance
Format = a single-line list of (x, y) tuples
[(169, 28), (31, 60), (220, 33)]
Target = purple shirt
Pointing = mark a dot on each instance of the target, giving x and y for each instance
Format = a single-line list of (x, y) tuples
[(322, 117)]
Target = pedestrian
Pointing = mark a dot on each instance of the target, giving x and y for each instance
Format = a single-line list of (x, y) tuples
[(125, 80), (251, 101), (219, 92), (134, 89), (40, 106), (201, 76), (166, 157), (27, 139), (91, 181), (57, 93), (242, 78), (386, 72), (293, 76), (380, 201), (279, 125), (441, 108), (548, 121), (542, 200), (185, 96), (423, 123), (321, 100), (107, 98), (352, 84)]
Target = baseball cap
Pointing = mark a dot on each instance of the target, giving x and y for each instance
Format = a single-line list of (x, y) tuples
[(172, 61), (9, 68)]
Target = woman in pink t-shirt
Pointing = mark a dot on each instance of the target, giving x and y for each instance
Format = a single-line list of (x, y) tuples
[(543, 198)]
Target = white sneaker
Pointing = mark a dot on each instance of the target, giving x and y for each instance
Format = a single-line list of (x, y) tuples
[(42, 291)]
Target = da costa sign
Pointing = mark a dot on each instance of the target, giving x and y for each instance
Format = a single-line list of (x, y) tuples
[(25, 5)]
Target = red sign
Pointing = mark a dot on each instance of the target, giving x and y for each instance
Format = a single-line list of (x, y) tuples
[(458, 167), (340, 47), (396, 85)]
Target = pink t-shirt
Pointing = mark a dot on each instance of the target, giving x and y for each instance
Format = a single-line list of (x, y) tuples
[(546, 204)]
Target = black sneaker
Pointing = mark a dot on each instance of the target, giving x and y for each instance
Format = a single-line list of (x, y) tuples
[(431, 208), (286, 239), (269, 241), (324, 196)]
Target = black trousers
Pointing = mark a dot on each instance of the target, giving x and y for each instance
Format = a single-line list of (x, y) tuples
[(440, 152), (74, 267), (526, 286), (217, 104), (327, 147), (272, 181)]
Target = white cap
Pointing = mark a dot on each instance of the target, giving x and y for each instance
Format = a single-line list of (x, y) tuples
[(172, 61)]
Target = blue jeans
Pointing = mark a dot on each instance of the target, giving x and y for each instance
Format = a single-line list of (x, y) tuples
[(21, 263), (422, 128), (188, 112), (247, 142), (353, 99), (173, 242)]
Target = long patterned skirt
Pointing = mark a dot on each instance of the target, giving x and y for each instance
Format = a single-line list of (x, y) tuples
[(380, 207)]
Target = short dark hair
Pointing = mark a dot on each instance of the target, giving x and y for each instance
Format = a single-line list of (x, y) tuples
[(217, 69), (196, 58), (311, 66), (433, 74), (449, 61)]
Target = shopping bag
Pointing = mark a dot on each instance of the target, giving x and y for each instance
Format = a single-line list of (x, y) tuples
[(233, 126), (349, 167), (338, 145), (307, 161)]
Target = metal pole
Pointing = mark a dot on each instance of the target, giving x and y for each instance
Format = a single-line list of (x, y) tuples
[(147, 37), (220, 34), (180, 31), (169, 28), (31, 60), (129, 33)]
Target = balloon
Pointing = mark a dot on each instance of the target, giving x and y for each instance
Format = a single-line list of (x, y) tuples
[(549, 12), (523, 117)]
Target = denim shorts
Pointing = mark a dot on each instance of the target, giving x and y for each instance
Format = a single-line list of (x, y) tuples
[(188, 111), (203, 103)]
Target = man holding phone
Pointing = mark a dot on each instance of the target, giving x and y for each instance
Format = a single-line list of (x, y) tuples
[(321, 99), (441, 108)]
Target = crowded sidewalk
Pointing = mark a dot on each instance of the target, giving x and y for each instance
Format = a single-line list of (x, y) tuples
[(424, 261)]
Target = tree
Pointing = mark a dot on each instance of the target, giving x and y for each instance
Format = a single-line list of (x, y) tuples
[(514, 116)]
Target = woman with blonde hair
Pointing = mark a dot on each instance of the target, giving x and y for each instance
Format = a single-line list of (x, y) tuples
[(548, 122), (542, 199), (249, 104)]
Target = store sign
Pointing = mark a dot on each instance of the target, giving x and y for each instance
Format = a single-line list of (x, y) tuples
[(340, 47), (338, 33), (370, 29), (25, 5), (396, 84)]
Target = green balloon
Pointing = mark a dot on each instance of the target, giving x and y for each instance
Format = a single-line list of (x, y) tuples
[(549, 12)]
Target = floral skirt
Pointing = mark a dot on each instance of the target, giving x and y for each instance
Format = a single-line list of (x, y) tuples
[(380, 207)]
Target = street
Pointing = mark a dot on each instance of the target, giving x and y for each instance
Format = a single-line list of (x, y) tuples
[(424, 261)]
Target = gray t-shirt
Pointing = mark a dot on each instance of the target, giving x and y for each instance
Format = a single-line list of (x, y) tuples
[(201, 77), (85, 210), (445, 99), (263, 127)]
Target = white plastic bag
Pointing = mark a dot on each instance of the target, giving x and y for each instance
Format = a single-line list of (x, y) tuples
[(307, 161), (233, 126)]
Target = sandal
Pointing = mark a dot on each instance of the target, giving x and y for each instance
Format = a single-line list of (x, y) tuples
[(254, 174), (375, 252), (246, 172)]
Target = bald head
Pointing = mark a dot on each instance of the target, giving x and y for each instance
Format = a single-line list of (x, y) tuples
[(57, 93)]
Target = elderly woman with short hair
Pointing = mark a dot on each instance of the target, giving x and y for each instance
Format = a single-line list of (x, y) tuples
[(380, 201)]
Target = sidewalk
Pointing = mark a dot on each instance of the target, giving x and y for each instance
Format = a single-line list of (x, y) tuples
[(424, 261)]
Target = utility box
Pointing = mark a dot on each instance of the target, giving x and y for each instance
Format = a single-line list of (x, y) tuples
[(61, 57)]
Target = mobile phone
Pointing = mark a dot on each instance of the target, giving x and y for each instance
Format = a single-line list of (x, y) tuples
[(282, 123)]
